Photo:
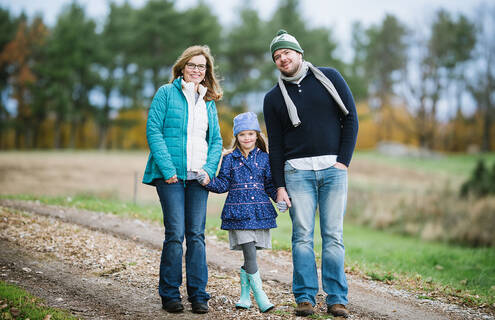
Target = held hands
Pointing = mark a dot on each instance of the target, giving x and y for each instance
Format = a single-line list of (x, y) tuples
[(282, 206), (283, 200), (203, 177)]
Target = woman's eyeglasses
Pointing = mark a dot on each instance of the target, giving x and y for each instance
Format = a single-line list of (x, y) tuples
[(192, 66)]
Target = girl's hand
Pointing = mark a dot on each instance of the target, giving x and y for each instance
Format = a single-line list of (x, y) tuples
[(203, 177), (172, 180), (282, 206), (282, 196)]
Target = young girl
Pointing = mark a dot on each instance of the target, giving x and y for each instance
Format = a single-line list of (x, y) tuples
[(248, 213)]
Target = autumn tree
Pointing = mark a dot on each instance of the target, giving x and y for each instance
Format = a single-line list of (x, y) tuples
[(18, 55), (8, 25)]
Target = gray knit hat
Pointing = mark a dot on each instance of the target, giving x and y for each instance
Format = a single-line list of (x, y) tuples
[(283, 40)]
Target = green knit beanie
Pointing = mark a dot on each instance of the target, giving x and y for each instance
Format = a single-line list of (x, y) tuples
[(283, 40)]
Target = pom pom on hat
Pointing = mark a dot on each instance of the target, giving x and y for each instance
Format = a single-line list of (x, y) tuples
[(246, 121), (283, 40)]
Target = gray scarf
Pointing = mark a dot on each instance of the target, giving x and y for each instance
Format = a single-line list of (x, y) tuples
[(291, 107)]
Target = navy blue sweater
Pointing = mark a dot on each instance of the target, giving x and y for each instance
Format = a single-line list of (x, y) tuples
[(324, 129)]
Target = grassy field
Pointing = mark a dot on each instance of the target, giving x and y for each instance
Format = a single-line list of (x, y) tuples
[(453, 165), (19, 304)]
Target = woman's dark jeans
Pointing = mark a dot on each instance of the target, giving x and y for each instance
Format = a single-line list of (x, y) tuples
[(184, 213)]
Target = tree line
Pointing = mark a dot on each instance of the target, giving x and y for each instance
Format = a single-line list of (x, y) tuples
[(79, 84)]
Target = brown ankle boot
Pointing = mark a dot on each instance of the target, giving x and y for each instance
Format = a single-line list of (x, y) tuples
[(338, 310), (304, 309)]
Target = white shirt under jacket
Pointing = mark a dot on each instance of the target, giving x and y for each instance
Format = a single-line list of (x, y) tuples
[(197, 125)]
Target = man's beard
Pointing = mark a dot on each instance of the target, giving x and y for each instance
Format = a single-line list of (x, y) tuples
[(293, 71)]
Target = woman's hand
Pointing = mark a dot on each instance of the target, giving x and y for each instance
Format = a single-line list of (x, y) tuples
[(204, 177), (172, 180)]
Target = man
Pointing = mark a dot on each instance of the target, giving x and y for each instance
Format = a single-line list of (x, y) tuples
[(312, 128)]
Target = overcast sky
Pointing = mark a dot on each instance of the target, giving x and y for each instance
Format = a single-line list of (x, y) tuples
[(337, 15)]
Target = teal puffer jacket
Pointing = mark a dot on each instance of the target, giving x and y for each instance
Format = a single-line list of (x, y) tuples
[(166, 132)]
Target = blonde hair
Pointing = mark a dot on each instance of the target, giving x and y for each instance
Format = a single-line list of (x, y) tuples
[(260, 143), (214, 91)]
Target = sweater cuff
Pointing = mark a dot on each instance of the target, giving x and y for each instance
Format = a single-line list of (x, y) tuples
[(344, 161)]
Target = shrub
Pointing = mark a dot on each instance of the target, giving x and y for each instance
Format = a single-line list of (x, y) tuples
[(444, 216), (481, 182)]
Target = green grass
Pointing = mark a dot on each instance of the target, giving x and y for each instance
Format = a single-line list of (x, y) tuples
[(451, 164), (470, 270), (94, 203), (19, 304), (455, 270)]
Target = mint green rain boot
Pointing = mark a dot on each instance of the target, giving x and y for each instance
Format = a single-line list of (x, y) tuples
[(259, 295), (245, 300)]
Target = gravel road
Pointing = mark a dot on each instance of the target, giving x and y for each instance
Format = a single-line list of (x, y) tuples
[(100, 266)]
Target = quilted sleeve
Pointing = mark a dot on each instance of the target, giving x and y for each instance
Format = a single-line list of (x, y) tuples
[(154, 134)]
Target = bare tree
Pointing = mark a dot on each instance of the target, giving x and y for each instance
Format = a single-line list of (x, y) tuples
[(482, 84)]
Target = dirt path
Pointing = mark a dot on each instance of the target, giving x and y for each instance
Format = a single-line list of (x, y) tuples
[(101, 266)]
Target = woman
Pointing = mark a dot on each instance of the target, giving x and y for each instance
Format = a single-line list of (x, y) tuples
[(184, 139)]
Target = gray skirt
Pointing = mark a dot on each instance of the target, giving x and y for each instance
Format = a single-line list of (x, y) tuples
[(262, 238)]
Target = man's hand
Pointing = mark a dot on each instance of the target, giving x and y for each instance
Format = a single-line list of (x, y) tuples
[(282, 196), (340, 166), (172, 180)]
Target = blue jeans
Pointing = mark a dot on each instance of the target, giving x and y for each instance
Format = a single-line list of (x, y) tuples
[(326, 189), (184, 213)]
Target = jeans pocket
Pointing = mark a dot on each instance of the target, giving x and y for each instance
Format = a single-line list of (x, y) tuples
[(339, 169), (288, 168)]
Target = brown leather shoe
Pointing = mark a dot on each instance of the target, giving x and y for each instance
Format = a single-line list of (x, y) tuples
[(338, 310), (304, 309)]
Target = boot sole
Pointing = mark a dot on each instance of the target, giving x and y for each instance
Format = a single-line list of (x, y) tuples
[(269, 309), (304, 313), (241, 308), (200, 311), (340, 315), (173, 310)]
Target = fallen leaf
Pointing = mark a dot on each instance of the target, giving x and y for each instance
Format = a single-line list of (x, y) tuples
[(15, 312), (47, 317), (438, 267), (7, 316)]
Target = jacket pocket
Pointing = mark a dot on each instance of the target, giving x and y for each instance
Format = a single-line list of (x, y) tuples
[(235, 211)]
